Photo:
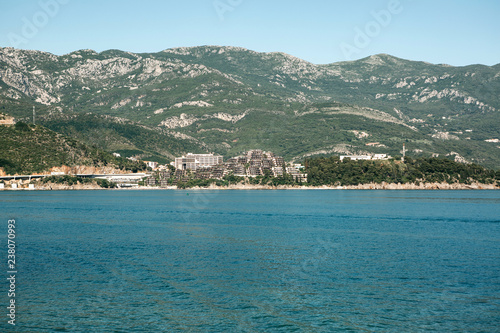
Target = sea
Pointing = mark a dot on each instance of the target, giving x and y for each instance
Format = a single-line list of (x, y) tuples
[(251, 261)]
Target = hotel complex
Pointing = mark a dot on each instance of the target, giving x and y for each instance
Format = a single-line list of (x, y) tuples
[(196, 161), (209, 166)]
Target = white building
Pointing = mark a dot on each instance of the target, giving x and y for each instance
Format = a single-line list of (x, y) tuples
[(356, 157), (296, 174), (151, 164), (196, 161), (380, 157), (366, 157)]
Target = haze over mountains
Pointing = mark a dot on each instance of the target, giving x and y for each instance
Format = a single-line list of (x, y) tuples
[(228, 99)]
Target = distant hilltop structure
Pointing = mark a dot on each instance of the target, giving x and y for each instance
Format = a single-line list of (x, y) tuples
[(366, 157), (6, 120)]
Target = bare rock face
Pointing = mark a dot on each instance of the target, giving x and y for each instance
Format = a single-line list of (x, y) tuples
[(85, 170), (184, 120), (46, 77), (445, 136)]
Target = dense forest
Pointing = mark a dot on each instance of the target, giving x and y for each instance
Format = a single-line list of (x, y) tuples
[(333, 171)]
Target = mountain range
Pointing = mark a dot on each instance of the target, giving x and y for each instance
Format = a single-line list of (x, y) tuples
[(227, 99)]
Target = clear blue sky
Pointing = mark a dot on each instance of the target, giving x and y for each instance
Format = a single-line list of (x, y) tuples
[(456, 32)]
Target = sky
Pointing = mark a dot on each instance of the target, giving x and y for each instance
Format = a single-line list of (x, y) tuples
[(454, 32)]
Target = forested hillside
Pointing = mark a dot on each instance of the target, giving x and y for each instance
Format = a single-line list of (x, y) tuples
[(29, 149), (333, 171)]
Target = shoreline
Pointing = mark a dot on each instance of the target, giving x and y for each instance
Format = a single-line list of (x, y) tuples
[(382, 186)]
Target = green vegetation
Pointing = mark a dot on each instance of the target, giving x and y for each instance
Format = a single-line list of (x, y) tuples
[(286, 105), (190, 180), (104, 183), (224, 182), (72, 180), (333, 171), (28, 149), (124, 137), (269, 180)]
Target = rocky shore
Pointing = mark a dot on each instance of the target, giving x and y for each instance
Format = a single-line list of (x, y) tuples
[(51, 186), (423, 186), (373, 186)]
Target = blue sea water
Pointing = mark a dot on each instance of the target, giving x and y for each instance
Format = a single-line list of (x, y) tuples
[(253, 261)]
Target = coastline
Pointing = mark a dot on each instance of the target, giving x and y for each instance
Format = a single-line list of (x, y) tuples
[(372, 186), (382, 186)]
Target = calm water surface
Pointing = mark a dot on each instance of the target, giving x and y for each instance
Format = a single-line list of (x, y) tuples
[(254, 261)]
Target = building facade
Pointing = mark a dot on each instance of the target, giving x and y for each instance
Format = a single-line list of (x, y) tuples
[(196, 161)]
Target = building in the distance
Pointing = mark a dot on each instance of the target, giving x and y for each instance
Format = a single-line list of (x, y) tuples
[(153, 165), (196, 161), (366, 157), (6, 120), (356, 157), (296, 174), (381, 157), (252, 163)]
